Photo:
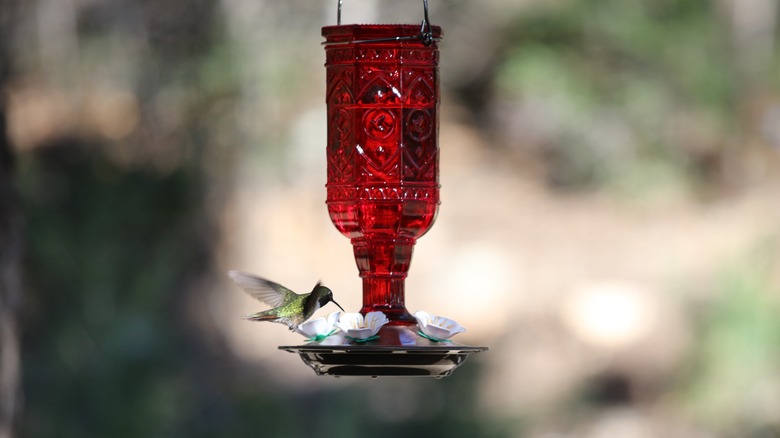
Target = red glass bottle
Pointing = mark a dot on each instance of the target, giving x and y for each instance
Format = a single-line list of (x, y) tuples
[(382, 152)]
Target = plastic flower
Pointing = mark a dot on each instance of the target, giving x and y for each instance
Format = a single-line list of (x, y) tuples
[(437, 328), (319, 328), (361, 329)]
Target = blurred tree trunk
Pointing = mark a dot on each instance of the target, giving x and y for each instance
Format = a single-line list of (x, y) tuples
[(9, 288), (10, 248)]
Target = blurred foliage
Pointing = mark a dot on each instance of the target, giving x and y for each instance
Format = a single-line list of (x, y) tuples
[(387, 407), (734, 381), (634, 97), (102, 338)]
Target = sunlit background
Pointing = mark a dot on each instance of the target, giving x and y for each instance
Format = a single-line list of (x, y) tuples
[(609, 226)]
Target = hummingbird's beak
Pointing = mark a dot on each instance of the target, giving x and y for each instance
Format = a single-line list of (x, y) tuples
[(334, 302)]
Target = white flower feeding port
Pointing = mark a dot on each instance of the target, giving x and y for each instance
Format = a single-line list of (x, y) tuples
[(362, 329), (437, 328), (383, 194), (319, 328)]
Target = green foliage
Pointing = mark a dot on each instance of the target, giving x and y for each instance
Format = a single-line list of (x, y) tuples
[(626, 85), (734, 377), (107, 249)]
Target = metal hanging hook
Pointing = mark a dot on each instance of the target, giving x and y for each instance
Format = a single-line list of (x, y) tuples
[(425, 36)]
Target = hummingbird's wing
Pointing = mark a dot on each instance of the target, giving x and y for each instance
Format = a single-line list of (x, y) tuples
[(273, 294)]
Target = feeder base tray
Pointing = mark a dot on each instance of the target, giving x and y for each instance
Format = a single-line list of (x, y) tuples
[(399, 351)]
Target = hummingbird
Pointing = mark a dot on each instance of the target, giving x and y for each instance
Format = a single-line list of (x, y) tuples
[(289, 307)]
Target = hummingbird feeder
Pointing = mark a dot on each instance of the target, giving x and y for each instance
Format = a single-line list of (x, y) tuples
[(383, 187)]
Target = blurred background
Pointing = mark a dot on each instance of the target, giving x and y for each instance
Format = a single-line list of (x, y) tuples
[(609, 226)]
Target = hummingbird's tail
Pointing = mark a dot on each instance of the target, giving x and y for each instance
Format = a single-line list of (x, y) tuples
[(269, 316), (261, 316)]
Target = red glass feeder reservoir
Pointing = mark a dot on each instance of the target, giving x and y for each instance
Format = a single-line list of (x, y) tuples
[(383, 187), (383, 152)]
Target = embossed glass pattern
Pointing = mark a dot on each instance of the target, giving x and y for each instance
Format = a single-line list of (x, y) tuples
[(382, 152)]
